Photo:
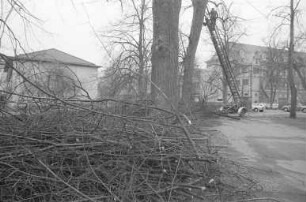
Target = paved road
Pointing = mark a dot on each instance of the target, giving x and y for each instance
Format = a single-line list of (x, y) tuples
[(276, 146)]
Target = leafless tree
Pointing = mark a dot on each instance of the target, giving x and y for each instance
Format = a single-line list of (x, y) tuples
[(231, 31), (118, 80), (293, 89), (300, 68), (11, 11), (199, 8), (129, 41), (289, 18), (274, 72), (210, 84)]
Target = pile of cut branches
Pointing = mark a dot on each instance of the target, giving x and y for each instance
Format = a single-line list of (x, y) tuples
[(107, 151)]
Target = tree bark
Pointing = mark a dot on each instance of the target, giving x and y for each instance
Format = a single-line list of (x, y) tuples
[(165, 48), (199, 7), (293, 90)]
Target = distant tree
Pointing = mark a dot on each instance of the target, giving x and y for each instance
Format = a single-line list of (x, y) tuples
[(230, 30), (273, 75), (289, 17), (210, 84), (118, 80), (300, 68), (129, 41)]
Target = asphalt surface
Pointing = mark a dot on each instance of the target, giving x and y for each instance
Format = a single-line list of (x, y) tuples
[(274, 146)]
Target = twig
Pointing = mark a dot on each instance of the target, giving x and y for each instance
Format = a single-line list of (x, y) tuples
[(68, 185)]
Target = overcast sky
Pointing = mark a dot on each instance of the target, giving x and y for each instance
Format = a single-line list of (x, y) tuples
[(68, 25)]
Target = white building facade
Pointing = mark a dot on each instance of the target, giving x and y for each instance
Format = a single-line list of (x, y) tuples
[(48, 73)]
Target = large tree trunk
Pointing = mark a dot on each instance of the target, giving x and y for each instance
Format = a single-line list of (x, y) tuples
[(164, 87), (199, 7), (290, 64)]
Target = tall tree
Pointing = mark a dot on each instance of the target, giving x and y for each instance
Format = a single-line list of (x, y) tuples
[(290, 18), (290, 63), (165, 48), (199, 7), (128, 41)]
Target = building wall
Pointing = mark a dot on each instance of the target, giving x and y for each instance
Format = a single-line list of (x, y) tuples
[(89, 79), (75, 80), (250, 65)]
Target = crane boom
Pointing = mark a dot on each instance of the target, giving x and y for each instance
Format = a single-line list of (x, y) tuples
[(224, 61)]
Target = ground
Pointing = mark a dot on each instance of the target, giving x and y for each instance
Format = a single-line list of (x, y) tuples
[(272, 146)]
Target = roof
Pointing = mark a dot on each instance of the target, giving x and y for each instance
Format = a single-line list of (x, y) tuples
[(254, 48), (250, 50), (54, 56)]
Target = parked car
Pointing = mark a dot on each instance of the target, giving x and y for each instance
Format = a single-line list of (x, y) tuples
[(299, 107), (286, 108), (258, 107)]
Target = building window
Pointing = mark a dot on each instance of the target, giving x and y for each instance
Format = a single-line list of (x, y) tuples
[(245, 82)]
